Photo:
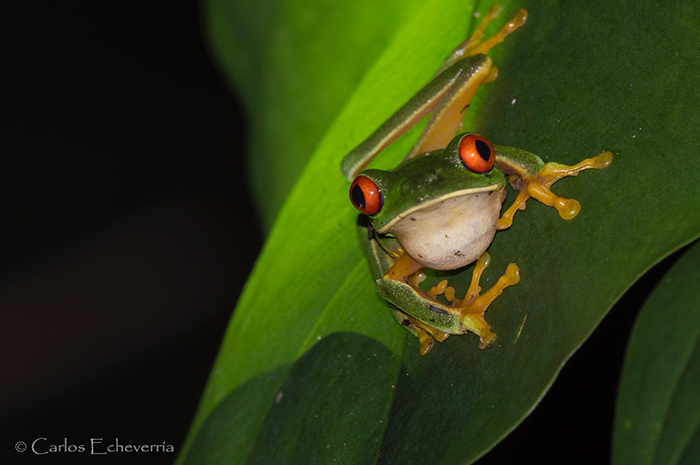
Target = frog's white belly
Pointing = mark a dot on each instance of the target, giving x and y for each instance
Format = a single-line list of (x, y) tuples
[(451, 233)]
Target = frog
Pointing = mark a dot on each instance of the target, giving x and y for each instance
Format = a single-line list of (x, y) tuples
[(440, 208)]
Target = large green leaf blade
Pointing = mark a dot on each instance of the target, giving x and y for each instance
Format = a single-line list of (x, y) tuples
[(658, 411), (295, 64), (312, 278), (570, 98), (589, 96)]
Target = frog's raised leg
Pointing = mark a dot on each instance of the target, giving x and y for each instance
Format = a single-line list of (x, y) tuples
[(447, 118), (448, 95), (471, 42), (528, 173)]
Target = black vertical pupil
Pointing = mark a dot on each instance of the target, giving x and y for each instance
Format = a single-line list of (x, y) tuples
[(358, 197), (483, 150)]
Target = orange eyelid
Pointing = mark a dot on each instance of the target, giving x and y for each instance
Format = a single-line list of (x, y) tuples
[(477, 153), (368, 199)]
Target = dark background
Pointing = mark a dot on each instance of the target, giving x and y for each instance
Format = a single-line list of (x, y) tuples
[(128, 232)]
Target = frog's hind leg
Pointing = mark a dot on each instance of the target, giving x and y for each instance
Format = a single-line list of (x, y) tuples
[(463, 49), (426, 334), (400, 287), (477, 47), (474, 305), (474, 44), (466, 75), (447, 96)]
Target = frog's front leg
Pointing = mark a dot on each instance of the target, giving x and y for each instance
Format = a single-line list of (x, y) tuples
[(424, 315), (534, 178)]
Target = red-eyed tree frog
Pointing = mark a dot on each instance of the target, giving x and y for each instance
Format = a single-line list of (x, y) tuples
[(441, 207)]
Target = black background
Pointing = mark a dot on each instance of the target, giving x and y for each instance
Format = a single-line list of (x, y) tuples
[(127, 233)]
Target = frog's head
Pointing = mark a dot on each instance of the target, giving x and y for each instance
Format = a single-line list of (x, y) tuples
[(442, 206)]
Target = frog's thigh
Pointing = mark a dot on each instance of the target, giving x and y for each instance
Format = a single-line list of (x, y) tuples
[(426, 334), (419, 305), (446, 120), (448, 116)]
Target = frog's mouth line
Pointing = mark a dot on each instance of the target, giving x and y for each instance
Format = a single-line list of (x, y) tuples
[(429, 203)]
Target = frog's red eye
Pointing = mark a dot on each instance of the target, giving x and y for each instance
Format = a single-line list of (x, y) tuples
[(365, 195), (476, 153)]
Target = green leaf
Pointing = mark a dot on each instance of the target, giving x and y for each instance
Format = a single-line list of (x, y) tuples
[(295, 64), (297, 362), (658, 411)]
